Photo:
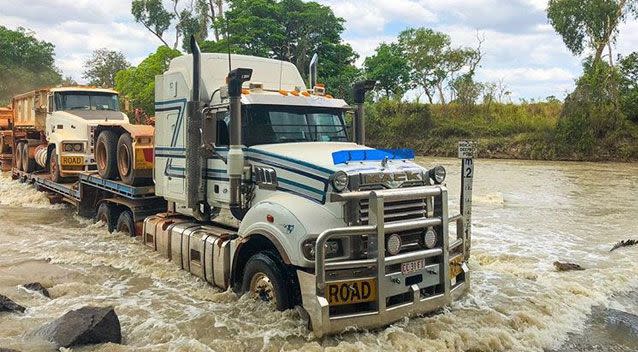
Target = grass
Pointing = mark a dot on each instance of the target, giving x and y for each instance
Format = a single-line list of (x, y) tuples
[(520, 131)]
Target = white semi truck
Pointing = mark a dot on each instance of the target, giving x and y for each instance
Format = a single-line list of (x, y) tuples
[(356, 236), (260, 187)]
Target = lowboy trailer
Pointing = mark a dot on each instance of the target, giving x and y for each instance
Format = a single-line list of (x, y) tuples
[(356, 236)]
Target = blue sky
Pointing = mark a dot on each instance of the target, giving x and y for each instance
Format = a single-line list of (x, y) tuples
[(521, 50)]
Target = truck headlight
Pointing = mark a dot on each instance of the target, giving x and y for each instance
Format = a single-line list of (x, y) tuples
[(429, 238), (437, 174), (334, 248), (393, 244), (340, 181), (73, 147)]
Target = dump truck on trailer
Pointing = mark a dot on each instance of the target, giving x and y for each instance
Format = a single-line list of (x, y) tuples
[(356, 236), (54, 127)]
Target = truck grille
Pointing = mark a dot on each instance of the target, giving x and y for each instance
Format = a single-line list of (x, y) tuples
[(399, 211), (91, 139)]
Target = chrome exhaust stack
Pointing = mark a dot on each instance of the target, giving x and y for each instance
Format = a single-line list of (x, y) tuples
[(312, 71), (235, 158), (195, 185), (359, 91)]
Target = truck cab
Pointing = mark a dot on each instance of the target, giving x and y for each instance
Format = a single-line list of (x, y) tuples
[(300, 211), (73, 114)]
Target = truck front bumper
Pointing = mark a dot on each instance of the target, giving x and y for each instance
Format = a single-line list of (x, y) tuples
[(443, 278)]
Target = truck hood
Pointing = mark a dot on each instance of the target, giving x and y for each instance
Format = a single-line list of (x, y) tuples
[(97, 116), (319, 154)]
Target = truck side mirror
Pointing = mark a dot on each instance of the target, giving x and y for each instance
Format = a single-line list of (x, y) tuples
[(209, 127)]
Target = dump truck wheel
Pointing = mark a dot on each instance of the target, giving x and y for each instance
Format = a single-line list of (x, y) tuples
[(106, 155), (125, 223), (3, 147), (54, 167), (265, 278), (125, 162), (28, 164), (107, 213), (19, 156)]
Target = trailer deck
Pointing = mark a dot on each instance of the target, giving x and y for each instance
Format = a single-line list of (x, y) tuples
[(90, 190)]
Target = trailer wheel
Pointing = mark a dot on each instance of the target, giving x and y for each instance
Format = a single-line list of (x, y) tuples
[(265, 278), (54, 167), (125, 162), (106, 154), (125, 223), (106, 214), (19, 156), (4, 148), (28, 164)]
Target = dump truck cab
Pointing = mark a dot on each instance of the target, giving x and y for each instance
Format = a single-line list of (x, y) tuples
[(357, 236), (72, 116)]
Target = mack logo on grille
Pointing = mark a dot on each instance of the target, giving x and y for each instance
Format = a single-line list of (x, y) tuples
[(392, 177)]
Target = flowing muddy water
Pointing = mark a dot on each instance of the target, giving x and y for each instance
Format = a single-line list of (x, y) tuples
[(526, 216)]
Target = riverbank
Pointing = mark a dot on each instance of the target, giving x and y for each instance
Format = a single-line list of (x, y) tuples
[(502, 131)]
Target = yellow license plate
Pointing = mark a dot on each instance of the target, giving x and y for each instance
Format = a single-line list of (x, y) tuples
[(73, 160), (456, 267), (350, 292)]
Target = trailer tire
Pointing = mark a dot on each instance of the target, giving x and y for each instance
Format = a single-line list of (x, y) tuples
[(265, 277), (106, 214), (125, 223), (106, 154), (18, 155), (28, 164), (54, 167), (125, 162)]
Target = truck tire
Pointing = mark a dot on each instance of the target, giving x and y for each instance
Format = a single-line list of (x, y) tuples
[(125, 161), (265, 277), (28, 164), (18, 155), (106, 213), (125, 223), (106, 154), (54, 167), (3, 147)]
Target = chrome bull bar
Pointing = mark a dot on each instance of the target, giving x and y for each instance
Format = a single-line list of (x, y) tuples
[(315, 300)]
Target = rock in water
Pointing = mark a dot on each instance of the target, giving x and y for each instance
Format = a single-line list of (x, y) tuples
[(626, 243), (567, 266), (623, 320), (7, 305), (36, 286), (85, 326)]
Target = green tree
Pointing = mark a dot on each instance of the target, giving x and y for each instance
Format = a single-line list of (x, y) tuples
[(289, 30), (628, 67), (433, 60), (389, 67), (25, 63), (101, 67), (138, 83), (152, 15), (589, 24)]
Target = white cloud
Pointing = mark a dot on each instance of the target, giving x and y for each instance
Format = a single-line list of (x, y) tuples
[(528, 74)]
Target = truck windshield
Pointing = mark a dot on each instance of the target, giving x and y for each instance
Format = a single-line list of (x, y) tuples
[(86, 101), (269, 124)]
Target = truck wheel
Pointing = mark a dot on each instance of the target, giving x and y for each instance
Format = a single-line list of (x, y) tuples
[(3, 147), (125, 223), (18, 155), (106, 214), (265, 278), (28, 164), (125, 162), (54, 167), (105, 155)]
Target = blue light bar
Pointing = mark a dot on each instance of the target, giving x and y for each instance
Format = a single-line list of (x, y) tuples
[(345, 156)]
